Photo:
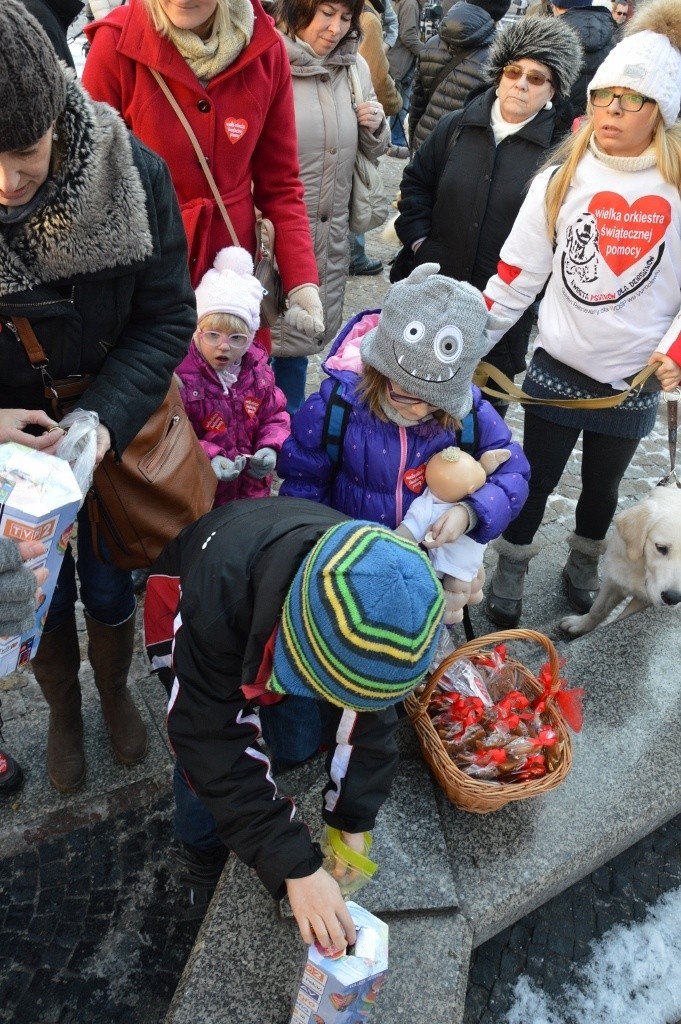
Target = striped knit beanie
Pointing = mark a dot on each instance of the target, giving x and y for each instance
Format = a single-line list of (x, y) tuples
[(360, 620)]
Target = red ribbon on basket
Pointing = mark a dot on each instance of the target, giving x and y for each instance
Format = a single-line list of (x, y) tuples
[(569, 701)]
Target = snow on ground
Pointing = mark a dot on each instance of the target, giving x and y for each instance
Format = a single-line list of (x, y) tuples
[(633, 976)]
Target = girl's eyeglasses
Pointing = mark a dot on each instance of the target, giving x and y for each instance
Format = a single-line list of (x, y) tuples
[(629, 101), (215, 338), (406, 399), (514, 72)]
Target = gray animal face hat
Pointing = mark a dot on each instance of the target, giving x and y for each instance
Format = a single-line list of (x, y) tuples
[(32, 81), (431, 336), (549, 41)]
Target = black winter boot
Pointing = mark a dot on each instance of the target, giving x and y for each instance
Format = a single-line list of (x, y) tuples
[(581, 571)]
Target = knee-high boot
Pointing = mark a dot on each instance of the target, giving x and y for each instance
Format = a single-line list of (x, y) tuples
[(581, 571), (55, 667), (110, 653), (504, 603)]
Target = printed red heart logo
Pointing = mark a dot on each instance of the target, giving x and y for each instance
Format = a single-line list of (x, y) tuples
[(213, 422), (236, 128), (251, 406), (415, 479), (627, 233)]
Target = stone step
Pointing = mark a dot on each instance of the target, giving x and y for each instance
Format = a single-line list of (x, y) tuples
[(449, 879)]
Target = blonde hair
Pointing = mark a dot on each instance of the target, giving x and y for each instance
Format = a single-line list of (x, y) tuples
[(164, 26), (371, 388), (667, 142), (225, 323)]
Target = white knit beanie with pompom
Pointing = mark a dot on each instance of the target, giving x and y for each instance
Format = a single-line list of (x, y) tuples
[(231, 287), (648, 60)]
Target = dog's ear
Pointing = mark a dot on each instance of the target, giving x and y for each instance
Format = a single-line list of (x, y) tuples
[(633, 526)]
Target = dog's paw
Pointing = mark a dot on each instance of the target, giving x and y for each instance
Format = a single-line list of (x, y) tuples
[(575, 625)]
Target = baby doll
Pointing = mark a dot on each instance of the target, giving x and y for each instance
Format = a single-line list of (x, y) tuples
[(236, 410), (451, 475)]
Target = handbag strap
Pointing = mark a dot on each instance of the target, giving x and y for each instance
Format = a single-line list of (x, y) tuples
[(163, 85), (511, 392), (26, 335)]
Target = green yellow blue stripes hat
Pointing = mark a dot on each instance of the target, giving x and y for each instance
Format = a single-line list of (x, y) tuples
[(360, 621)]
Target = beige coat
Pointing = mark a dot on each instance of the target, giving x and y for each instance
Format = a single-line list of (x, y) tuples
[(371, 48), (328, 136)]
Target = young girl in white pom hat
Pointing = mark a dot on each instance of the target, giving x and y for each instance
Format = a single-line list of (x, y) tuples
[(235, 407)]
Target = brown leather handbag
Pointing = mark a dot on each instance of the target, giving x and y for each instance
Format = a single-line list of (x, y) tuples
[(163, 482)]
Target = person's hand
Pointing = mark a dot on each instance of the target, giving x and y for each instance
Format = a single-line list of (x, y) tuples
[(320, 911), (225, 469), (448, 527), (13, 422), (103, 443), (262, 463), (370, 115), (668, 372), (305, 311), (30, 549)]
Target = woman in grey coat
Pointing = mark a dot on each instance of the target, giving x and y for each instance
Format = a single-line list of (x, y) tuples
[(321, 40)]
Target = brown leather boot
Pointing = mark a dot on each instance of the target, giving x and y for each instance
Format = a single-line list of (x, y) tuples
[(110, 653), (55, 667)]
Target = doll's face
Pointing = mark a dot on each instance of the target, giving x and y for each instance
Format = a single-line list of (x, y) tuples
[(452, 474)]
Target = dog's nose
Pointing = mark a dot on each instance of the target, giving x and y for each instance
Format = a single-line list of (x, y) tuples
[(671, 596)]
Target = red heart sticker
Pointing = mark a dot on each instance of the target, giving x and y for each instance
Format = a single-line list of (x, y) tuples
[(236, 128), (415, 479), (626, 233), (251, 406), (213, 422)]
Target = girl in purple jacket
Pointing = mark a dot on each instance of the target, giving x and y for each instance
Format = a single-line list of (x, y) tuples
[(405, 376), (238, 413)]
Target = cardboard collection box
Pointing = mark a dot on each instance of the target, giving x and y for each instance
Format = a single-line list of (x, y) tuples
[(343, 990), (39, 500)]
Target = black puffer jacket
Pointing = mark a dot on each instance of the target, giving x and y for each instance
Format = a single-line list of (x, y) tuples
[(462, 192), (467, 30), (595, 28), (100, 270), (229, 600)]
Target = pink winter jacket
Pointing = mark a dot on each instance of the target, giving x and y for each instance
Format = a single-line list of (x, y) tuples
[(251, 416)]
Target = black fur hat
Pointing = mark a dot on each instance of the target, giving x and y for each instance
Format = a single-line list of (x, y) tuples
[(549, 41)]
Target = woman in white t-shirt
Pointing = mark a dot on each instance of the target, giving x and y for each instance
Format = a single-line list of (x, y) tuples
[(601, 225)]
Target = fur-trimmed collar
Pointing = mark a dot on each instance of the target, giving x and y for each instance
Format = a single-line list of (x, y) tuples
[(94, 216)]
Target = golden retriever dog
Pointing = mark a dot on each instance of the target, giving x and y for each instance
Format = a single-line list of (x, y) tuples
[(642, 561)]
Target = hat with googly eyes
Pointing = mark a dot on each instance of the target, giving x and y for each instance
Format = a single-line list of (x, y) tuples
[(431, 336)]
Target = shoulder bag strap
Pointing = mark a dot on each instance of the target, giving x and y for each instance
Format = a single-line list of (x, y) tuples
[(443, 72), (511, 392), (26, 335), (163, 85)]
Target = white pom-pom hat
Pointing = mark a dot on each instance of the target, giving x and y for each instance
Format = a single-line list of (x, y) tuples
[(648, 60), (231, 287)]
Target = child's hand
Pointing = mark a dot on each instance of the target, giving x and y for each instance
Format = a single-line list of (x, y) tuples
[(225, 469), (262, 463), (448, 527), (320, 910)]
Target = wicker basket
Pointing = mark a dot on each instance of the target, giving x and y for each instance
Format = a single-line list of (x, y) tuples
[(475, 795)]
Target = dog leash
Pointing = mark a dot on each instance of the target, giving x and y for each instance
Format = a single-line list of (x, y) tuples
[(672, 400)]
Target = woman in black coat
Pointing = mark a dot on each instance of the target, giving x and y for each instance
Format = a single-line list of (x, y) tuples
[(462, 191), (93, 254)]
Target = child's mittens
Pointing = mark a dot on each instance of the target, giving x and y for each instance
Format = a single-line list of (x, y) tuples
[(17, 592), (225, 469), (262, 463), (305, 312)]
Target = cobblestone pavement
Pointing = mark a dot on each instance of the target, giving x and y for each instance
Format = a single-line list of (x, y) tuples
[(92, 926)]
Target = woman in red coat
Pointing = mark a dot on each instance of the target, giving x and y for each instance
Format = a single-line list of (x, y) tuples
[(227, 67)]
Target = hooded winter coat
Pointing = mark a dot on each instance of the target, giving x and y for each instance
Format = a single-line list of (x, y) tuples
[(217, 604), (243, 119), (595, 28), (382, 466), (328, 137), (468, 32), (251, 415), (100, 270), (55, 16)]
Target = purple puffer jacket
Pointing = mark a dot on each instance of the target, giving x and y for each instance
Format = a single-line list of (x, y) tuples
[(382, 468), (251, 416)]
